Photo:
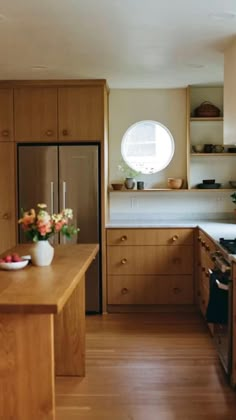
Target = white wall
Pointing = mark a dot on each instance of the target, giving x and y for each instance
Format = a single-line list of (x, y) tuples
[(168, 106)]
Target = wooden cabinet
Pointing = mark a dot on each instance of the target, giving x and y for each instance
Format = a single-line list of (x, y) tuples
[(7, 193), (81, 113), (6, 115), (60, 113), (35, 114), (150, 266)]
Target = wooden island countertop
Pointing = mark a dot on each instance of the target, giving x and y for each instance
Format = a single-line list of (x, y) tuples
[(42, 330), (45, 289)]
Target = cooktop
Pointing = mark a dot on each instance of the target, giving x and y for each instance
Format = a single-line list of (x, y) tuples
[(229, 245)]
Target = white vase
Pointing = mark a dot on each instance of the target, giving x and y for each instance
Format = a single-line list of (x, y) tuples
[(42, 253)]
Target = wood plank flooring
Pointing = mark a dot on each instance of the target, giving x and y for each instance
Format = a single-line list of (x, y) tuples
[(153, 366)]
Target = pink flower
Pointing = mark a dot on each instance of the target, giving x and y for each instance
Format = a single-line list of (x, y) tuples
[(43, 227)]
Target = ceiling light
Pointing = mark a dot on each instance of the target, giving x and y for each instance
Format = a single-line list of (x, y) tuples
[(2, 18), (222, 16), (196, 66), (39, 67)]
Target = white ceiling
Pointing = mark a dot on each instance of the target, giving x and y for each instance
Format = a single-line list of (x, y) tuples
[(131, 43)]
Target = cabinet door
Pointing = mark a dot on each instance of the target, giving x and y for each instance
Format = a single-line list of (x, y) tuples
[(7, 194), (81, 113), (150, 260), (6, 114), (150, 290), (35, 114)]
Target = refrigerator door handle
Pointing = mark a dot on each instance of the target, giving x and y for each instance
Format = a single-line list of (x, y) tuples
[(64, 195), (64, 202), (52, 196)]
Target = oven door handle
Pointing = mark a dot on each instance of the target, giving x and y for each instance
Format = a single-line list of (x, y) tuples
[(222, 285)]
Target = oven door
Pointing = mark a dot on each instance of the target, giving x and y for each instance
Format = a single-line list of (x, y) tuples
[(219, 313)]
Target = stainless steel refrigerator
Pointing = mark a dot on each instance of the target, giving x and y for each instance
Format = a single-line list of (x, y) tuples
[(66, 176)]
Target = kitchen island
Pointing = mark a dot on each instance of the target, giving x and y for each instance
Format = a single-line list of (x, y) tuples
[(42, 330)]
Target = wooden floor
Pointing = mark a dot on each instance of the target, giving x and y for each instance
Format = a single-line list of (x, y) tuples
[(147, 367)]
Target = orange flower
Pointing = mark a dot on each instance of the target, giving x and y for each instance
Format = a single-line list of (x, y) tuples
[(28, 217)]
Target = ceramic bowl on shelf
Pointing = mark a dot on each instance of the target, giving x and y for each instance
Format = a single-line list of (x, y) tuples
[(13, 265), (117, 186), (209, 186), (208, 181), (198, 148), (175, 183)]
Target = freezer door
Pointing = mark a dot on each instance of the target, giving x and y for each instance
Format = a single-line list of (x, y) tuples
[(37, 179), (79, 190)]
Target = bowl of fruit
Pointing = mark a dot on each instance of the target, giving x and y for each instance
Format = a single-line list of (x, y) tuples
[(13, 262)]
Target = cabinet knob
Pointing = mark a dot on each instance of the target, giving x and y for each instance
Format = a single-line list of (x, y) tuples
[(203, 243), (49, 133), (5, 133), (123, 238), (207, 247), (177, 290), (124, 291), (177, 260), (65, 132), (199, 239), (123, 261), (175, 238), (6, 216)]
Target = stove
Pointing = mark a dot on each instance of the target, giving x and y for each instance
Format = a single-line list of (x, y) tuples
[(229, 245)]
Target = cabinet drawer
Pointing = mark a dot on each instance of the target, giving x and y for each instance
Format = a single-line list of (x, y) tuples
[(149, 260), (150, 236), (151, 290)]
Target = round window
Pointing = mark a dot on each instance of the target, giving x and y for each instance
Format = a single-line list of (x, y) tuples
[(147, 147)]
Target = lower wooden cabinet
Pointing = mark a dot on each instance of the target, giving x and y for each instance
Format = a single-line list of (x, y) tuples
[(150, 266), (151, 290)]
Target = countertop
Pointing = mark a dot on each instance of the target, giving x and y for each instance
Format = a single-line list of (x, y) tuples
[(215, 229), (45, 289)]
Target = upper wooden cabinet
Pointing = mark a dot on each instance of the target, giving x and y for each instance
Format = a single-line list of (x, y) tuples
[(81, 113), (51, 111), (35, 114), (6, 114)]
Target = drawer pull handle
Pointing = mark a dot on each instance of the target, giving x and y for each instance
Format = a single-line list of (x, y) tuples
[(6, 216), (65, 132), (175, 238), (124, 291), (177, 290), (5, 133), (207, 248), (124, 238), (199, 239), (203, 243), (49, 133), (123, 261)]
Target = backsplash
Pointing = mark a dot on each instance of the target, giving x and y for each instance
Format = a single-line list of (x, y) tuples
[(171, 205)]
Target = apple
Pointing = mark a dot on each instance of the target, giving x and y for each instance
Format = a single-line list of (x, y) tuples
[(16, 258), (8, 258)]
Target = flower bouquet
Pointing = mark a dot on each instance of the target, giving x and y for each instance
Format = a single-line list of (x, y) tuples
[(40, 225)]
